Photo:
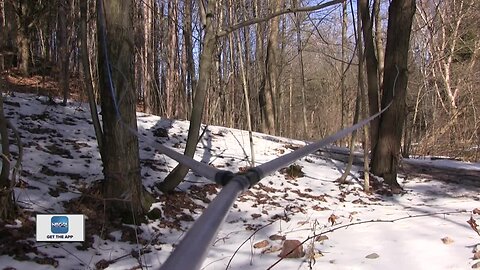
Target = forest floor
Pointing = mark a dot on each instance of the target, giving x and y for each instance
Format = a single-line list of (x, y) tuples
[(342, 227)]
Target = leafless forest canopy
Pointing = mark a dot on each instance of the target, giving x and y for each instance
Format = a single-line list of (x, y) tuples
[(298, 72)]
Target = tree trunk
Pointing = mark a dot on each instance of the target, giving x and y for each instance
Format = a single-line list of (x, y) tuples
[(372, 66), (64, 53), (123, 188), (7, 206), (342, 67), (23, 39), (302, 74), (171, 78), (206, 63), (379, 42), (190, 72), (87, 74), (247, 100), (386, 152), (271, 67), (358, 101), (152, 95)]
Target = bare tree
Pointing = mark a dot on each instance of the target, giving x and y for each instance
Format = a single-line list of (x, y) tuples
[(122, 185), (386, 151), (64, 52), (7, 205)]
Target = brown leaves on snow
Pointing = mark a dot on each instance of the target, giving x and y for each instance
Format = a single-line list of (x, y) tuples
[(293, 171), (472, 222), (332, 219)]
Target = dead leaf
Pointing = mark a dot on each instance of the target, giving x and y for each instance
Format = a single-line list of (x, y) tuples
[(476, 211), (332, 219), (255, 216), (476, 256), (321, 238), (261, 244), (447, 240), (372, 256), (473, 225), (275, 237), (477, 265)]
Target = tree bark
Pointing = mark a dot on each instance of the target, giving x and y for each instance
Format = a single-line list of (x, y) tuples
[(302, 74), (64, 54), (271, 67), (372, 67), (171, 78), (23, 39), (7, 206), (190, 69), (123, 188), (87, 74), (387, 150)]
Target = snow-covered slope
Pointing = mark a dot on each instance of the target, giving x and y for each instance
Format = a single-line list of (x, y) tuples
[(361, 231)]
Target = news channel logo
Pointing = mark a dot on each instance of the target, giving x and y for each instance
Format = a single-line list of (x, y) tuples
[(59, 224), (60, 227)]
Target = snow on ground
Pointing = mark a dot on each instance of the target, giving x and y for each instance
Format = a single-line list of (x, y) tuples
[(61, 160)]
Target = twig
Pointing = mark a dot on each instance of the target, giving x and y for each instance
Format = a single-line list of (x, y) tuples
[(363, 222), (18, 163), (246, 240)]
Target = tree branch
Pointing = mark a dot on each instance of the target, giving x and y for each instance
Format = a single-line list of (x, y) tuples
[(232, 28)]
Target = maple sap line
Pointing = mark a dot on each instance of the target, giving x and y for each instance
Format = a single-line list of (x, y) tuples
[(198, 239)]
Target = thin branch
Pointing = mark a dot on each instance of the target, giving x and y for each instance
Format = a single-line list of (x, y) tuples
[(246, 240), (232, 28)]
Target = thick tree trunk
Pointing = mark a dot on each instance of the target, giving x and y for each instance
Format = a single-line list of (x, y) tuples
[(23, 45), (7, 206), (270, 93), (122, 187), (206, 64), (387, 150)]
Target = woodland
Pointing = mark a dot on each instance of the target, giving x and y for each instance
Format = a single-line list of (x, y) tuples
[(300, 69)]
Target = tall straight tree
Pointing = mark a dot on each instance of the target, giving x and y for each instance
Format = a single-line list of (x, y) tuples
[(372, 66), (269, 93), (171, 78), (387, 150), (64, 53), (122, 186), (7, 205)]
